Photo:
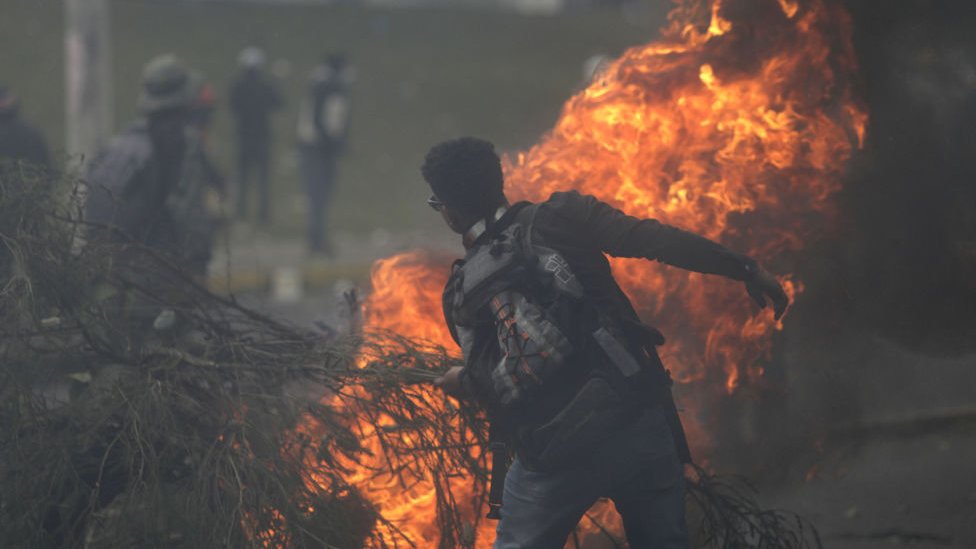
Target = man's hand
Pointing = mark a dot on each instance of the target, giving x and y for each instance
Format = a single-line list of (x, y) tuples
[(763, 285), (450, 382)]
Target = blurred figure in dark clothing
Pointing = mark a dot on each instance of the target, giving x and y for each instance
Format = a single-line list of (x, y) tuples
[(253, 98), (19, 140), (201, 120), (197, 207), (323, 130), (204, 105), (136, 192), (132, 181)]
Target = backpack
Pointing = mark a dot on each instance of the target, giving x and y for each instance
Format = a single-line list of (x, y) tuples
[(572, 375)]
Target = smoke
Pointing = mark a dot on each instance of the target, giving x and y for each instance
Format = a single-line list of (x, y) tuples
[(885, 334), (908, 255)]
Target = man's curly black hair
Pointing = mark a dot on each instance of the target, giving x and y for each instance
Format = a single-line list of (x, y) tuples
[(465, 174)]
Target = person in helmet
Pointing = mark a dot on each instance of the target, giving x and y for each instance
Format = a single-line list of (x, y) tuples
[(197, 205), (134, 176), (323, 131), (134, 187)]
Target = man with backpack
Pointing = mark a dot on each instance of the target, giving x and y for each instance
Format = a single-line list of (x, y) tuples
[(323, 134), (555, 353)]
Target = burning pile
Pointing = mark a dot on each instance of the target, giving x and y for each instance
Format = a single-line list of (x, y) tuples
[(737, 125), (158, 414)]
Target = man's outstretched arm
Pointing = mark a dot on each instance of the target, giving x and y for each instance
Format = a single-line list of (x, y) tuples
[(763, 285), (622, 235)]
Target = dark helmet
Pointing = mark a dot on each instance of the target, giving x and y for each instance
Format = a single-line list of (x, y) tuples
[(166, 84)]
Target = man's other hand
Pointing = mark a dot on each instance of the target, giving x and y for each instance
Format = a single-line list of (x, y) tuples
[(763, 285), (450, 382)]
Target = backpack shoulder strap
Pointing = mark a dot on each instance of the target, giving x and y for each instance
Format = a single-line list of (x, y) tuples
[(548, 262), (450, 299), (526, 218)]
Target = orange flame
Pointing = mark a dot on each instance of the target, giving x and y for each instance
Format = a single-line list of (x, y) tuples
[(736, 125), (406, 297)]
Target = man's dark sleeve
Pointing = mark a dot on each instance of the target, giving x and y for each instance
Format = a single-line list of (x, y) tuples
[(620, 235)]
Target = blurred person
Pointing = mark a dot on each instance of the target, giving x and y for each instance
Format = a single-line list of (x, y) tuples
[(323, 131), (197, 206), (200, 122), (132, 180), (204, 105), (134, 201), (557, 356), (253, 98), (19, 140)]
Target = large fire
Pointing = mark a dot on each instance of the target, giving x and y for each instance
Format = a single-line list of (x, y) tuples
[(737, 125)]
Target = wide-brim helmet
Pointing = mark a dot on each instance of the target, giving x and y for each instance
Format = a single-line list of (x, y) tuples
[(166, 84)]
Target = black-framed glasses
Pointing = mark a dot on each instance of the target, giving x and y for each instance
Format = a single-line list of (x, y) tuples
[(435, 204)]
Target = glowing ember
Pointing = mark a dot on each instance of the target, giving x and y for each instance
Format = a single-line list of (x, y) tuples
[(736, 125)]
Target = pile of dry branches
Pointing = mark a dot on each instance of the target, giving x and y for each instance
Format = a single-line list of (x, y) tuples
[(137, 409)]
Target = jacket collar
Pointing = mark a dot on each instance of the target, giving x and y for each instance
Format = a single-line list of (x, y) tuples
[(499, 221), (472, 235)]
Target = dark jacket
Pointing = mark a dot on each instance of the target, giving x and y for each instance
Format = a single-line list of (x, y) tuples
[(583, 230), (252, 99), (21, 141), (128, 191), (134, 206)]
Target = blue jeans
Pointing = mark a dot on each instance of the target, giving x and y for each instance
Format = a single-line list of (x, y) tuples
[(637, 468)]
